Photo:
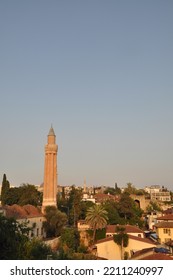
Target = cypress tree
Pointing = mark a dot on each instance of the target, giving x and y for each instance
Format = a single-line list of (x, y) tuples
[(5, 189)]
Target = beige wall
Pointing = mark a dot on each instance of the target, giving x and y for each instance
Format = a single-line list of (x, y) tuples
[(111, 251), (36, 224), (108, 250), (165, 234), (136, 245)]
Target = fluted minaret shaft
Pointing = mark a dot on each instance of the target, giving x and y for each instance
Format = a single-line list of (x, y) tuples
[(50, 171)]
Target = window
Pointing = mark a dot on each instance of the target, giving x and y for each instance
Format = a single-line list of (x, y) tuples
[(167, 231)]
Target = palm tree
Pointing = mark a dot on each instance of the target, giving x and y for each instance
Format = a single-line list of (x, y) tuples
[(121, 238), (96, 217)]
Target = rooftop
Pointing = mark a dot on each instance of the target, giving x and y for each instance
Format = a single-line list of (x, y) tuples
[(144, 240), (164, 225), (158, 256), (128, 229), (166, 217), (21, 212)]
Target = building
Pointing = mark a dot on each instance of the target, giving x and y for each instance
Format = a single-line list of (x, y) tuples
[(152, 189), (164, 230), (29, 215), (151, 219), (102, 197), (158, 193), (108, 249), (88, 197), (165, 218), (151, 254), (129, 229), (50, 171)]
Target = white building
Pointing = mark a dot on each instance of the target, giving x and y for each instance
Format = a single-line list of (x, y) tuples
[(28, 214), (158, 193)]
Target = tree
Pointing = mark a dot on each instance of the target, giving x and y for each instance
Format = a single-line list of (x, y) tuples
[(5, 189), (113, 191), (84, 205), (113, 215), (13, 238), (97, 218), (130, 188), (38, 250), (25, 194), (74, 203), (55, 221), (125, 206), (70, 238), (29, 195), (15, 244), (121, 238), (129, 211), (153, 206), (12, 196)]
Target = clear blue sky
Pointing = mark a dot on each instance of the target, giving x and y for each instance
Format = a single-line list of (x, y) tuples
[(102, 73)]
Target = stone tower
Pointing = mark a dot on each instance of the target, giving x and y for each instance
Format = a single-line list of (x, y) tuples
[(50, 171)]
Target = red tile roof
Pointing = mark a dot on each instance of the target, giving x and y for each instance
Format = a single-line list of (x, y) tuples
[(158, 256), (164, 225), (31, 210), (144, 240), (128, 229), (140, 253), (166, 217), (21, 212)]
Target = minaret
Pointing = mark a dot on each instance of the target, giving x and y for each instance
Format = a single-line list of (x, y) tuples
[(84, 186), (50, 171)]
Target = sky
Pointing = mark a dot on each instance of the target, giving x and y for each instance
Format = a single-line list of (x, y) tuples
[(99, 71)]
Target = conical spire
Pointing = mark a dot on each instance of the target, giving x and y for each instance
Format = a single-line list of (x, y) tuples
[(51, 131)]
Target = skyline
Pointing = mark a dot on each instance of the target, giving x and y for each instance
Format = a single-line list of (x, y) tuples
[(101, 73)]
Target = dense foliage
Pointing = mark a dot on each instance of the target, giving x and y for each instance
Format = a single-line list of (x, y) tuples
[(122, 211), (25, 194), (15, 244), (129, 211), (73, 206), (55, 221), (70, 239), (12, 239), (38, 250), (153, 206)]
